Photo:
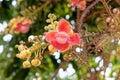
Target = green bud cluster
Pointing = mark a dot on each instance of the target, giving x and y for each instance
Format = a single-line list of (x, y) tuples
[(52, 16), (52, 22)]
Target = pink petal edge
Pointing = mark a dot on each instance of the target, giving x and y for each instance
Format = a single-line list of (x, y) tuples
[(50, 36), (64, 26), (74, 39), (61, 47)]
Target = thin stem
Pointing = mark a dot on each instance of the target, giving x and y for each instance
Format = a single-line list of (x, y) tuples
[(82, 61), (78, 18), (41, 7), (107, 7), (95, 13), (84, 15), (95, 34)]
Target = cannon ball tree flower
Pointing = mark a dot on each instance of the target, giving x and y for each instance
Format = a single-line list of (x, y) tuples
[(22, 27), (64, 37)]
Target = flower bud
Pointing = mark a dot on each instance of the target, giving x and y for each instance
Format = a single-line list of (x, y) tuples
[(18, 55), (109, 19), (50, 26), (26, 53), (35, 62), (112, 26), (51, 49), (30, 40), (48, 21), (21, 56), (21, 47), (26, 64), (55, 23), (46, 28), (115, 10), (49, 15)]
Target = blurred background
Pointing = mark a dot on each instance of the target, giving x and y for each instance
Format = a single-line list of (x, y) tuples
[(11, 67)]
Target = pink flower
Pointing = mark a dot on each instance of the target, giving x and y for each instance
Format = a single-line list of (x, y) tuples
[(22, 27), (81, 4), (64, 37)]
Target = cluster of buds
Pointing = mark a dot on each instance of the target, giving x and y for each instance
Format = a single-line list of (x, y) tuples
[(113, 21), (18, 25), (34, 62), (51, 26), (32, 55), (52, 22)]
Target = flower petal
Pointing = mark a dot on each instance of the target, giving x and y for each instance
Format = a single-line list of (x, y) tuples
[(17, 28), (61, 47), (61, 37), (74, 2), (82, 5), (23, 28), (64, 26), (74, 39), (50, 36)]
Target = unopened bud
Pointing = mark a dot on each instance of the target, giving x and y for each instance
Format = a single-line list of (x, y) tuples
[(51, 49), (115, 10), (109, 19), (112, 26), (26, 64), (35, 62)]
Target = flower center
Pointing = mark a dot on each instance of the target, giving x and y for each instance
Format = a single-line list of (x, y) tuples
[(61, 38)]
